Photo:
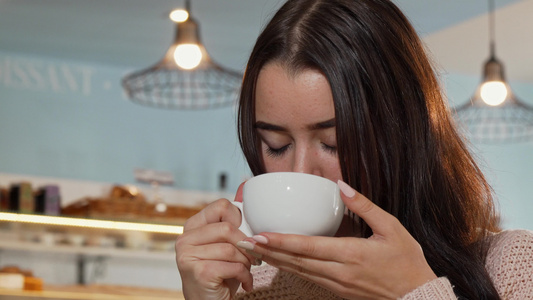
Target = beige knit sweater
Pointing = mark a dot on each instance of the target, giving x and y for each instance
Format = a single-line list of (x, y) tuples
[(509, 263)]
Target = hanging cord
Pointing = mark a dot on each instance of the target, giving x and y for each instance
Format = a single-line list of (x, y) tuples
[(491, 30), (188, 6)]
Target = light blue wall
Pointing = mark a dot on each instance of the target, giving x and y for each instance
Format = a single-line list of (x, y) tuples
[(508, 167), (67, 119)]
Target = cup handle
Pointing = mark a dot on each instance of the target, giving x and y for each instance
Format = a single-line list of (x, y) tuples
[(244, 228)]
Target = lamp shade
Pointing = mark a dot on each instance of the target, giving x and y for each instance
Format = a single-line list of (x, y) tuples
[(494, 114), (509, 121), (180, 82)]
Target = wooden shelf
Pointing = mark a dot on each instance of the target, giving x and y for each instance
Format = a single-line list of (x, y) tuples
[(91, 292)]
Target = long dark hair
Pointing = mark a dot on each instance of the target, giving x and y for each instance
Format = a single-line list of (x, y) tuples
[(397, 143)]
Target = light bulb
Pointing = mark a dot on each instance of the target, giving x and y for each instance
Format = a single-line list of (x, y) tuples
[(493, 92), (179, 15), (188, 56)]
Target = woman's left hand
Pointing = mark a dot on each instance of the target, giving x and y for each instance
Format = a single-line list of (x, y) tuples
[(387, 265)]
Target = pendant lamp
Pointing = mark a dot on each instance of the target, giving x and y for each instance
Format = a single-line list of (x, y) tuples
[(494, 114), (186, 77)]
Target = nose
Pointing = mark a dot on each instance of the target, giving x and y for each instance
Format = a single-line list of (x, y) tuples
[(305, 161)]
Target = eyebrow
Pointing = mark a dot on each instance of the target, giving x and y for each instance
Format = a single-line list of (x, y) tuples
[(271, 127)]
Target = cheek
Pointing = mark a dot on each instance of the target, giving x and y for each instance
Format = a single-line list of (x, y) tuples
[(329, 166), (332, 170)]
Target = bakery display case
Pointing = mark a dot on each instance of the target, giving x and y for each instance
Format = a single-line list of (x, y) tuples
[(91, 230), (90, 242), (91, 237)]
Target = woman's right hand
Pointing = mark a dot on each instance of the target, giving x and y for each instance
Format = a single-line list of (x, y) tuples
[(211, 266)]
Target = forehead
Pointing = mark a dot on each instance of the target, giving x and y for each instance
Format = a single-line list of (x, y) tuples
[(305, 95)]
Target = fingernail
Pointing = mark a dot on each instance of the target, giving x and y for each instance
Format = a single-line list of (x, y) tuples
[(245, 245), (254, 254), (261, 239), (347, 190)]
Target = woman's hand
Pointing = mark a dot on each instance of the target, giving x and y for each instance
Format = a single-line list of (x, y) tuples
[(210, 265), (387, 265)]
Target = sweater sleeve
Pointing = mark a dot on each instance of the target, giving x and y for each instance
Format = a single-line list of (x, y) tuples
[(438, 289), (510, 264)]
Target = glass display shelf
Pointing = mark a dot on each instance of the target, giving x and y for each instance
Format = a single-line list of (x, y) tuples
[(90, 223), (71, 235), (15, 245), (90, 241)]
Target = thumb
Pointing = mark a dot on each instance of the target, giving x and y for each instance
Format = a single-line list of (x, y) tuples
[(378, 219)]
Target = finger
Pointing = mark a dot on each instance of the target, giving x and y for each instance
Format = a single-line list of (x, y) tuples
[(219, 211), (238, 195), (324, 279), (215, 233), (219, 271), (284, 247), (380, 221), (298, 263), (212, 233), (222, 232), (216, 252), (316, 269)]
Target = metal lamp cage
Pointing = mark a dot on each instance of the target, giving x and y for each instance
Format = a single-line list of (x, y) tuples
[(510, 122), (166, 85)]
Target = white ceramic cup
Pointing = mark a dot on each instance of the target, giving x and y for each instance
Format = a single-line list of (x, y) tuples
[(289, 202)]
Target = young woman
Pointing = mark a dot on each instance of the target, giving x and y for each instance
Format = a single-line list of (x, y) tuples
[(343, 89)]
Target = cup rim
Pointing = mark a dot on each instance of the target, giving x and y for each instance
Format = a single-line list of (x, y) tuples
[(283, 173)]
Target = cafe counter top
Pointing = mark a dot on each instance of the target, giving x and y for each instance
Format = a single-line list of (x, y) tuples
[(89, 292)]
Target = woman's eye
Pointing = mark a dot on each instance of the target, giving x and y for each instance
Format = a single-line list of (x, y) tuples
[(329, 149), (275, 152)]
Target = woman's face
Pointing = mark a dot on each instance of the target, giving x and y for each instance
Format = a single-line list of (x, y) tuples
[(295, 120)]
